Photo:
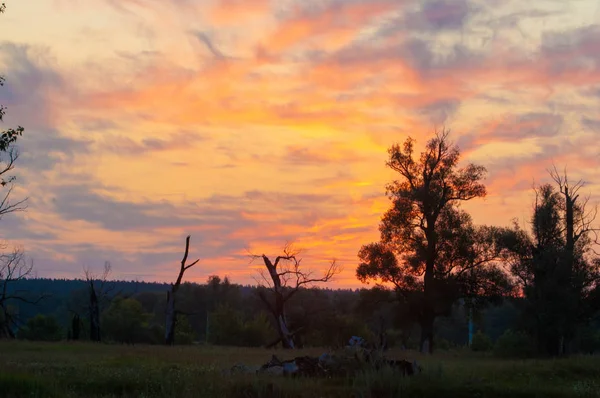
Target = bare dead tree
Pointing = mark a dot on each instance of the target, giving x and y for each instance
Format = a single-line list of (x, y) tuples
[(13, 268), (171, 318), (283, 278), (98, 291), (579, 215)]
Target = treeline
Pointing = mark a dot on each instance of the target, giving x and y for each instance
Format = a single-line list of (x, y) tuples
[(223, 313)]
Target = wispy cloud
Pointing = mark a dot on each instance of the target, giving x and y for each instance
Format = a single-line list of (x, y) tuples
[(249, 123)]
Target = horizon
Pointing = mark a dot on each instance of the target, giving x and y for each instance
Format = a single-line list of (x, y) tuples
[(249, 124)]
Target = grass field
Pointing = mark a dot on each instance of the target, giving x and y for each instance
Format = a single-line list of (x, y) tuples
[(98, 370)]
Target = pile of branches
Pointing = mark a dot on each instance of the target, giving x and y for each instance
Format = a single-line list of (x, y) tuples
[(354, 358)]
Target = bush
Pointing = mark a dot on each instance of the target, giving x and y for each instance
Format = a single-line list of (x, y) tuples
[(41, 328), (184, 334), (442, 344), (588, 340), (514, 345), (225, 326), (481, 342), (258, 331), (124, 321)]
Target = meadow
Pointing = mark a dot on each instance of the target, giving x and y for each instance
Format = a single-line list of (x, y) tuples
[(30, 369)]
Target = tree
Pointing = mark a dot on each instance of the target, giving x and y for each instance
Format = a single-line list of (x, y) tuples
[(429, 250), (171, 312), (13, 268), (98, 291), (124, 321), (8, 156), (285, 277), (41, 328), (555, 266)]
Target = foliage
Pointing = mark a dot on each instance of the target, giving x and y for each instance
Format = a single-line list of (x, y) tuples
[(41, 328), (124, 321), (429, 251), (184, 334), (514, 344), (257, 331), (481, 342), (588, 340), (560, 284), (227, 327)]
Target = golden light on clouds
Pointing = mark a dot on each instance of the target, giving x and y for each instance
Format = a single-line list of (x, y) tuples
[(251, 123)]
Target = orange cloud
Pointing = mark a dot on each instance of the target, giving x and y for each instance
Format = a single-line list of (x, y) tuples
[(236, 11), (333, 25)]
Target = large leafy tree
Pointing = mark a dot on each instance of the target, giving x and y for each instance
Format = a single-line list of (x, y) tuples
[(429, 249)]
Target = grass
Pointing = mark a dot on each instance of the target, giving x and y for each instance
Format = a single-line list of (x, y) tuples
[(98, 370)]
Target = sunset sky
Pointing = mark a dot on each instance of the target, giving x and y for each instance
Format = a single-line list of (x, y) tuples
[(249, 123)]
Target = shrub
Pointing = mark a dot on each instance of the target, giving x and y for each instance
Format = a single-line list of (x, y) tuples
[(481, 342), (257, 331), (41, 328), (442, 344), (514, 345), (184, 333), (124, 321), (588, 340)]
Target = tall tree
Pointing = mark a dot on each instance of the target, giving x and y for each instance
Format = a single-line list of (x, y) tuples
[(555, 266), (171, 318), (425, 251), (283, 279)]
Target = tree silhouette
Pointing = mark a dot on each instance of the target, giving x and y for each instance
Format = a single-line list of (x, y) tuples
[(171, 312), (13, 269), (429, 249), (283, 279), (8, 157), (556, 267)]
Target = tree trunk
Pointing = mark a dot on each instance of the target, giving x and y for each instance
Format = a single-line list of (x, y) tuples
[(171, 318), (94, 314), (426, 344), (75, 327), (428, 311), (569, 258), (287, 340), (171, 314)]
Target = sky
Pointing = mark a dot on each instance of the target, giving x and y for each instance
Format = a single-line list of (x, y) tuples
[(250, 123)]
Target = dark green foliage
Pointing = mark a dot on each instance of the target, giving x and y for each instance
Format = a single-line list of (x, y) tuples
[(41, 328), (587, 340), (514, 344), (184, 334), (124, 321), (559, 284), (75, 327), (481, 342), (228, 327), (328, 317)]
